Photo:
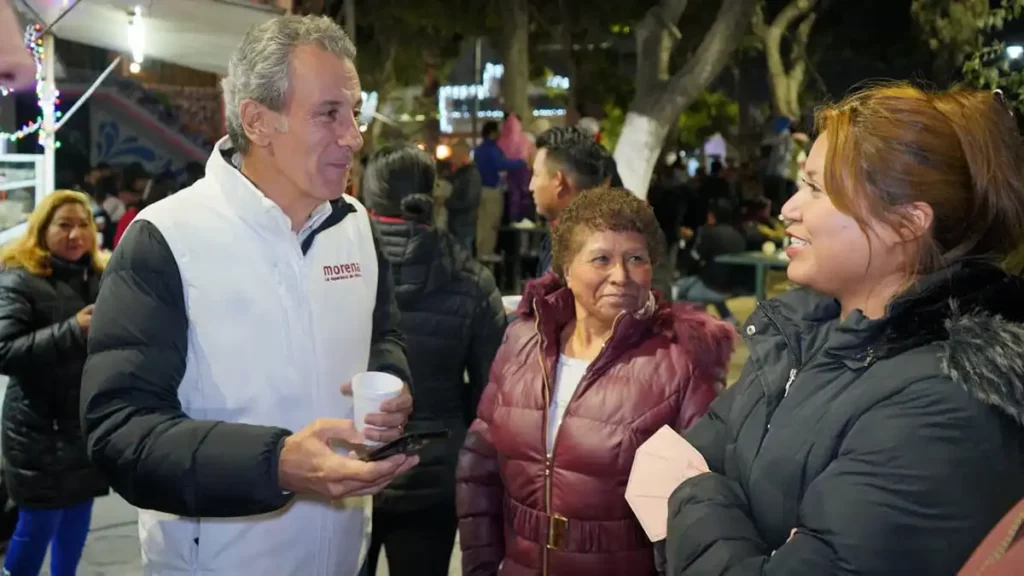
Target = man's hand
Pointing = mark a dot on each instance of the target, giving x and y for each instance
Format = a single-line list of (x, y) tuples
[(309, 465), (17, 70), (389, 423)]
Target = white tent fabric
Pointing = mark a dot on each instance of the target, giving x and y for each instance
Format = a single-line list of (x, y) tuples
[(199, 34)]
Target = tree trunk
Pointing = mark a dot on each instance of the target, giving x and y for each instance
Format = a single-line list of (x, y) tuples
[(660, 100), (572, 112), (515, 83), (787, 83)]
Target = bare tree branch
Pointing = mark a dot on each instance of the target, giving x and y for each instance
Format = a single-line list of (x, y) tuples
[(757, 23), (709, 59), (653, 42), (782, 78), (572, 106)]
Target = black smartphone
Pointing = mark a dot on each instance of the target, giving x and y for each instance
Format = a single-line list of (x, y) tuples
[(408, 444)]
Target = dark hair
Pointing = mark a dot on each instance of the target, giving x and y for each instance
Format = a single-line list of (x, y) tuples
[(611, 172), (562, 136), (107, 186), (723, 211), (399, 183), (558, 140), (490, 129), (194, 171), (716, 167), (583, 161), (604, 210), (957, 151)]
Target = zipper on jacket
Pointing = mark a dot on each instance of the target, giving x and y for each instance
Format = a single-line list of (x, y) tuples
[(558, 526), (789, 383)]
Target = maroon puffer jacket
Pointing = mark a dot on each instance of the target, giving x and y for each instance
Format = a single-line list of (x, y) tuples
[(568, 515)]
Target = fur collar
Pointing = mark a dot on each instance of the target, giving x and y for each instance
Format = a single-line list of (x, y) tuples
[(975, 312)]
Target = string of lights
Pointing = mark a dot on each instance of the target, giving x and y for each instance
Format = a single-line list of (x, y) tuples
[(34, 44)]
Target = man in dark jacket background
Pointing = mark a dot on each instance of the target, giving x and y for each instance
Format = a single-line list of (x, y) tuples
[(491, 162), (465, 199), (568, 162)]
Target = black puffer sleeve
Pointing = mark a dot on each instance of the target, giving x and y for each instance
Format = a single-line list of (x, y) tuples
[(387, 345), (25, 349), (148, 449)]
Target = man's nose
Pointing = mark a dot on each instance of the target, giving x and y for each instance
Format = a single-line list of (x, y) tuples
[(349, 135)]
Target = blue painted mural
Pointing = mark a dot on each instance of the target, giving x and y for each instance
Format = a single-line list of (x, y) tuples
[(116, 148), (119, 139)]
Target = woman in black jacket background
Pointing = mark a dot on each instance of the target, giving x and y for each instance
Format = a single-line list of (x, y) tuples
[(453, 322), (49, 282)]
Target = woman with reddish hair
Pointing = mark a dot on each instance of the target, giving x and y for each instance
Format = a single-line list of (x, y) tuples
[(877, 428)]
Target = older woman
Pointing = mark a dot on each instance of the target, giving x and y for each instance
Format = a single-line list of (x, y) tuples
[(595, 365), (49, 282), (878, 426)]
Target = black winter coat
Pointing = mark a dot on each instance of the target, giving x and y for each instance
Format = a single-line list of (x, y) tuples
[(453, 322), (42, 349), (891, 446)]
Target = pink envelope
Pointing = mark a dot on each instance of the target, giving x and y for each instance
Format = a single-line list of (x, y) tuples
[(661, 464)]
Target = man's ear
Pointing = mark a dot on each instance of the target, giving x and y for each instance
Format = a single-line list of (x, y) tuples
[(565, 187), (257, 121)]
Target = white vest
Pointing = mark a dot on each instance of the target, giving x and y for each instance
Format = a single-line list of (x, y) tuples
[(272, 337)]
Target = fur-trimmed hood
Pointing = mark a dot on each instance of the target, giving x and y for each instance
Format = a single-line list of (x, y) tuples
[(973, 312), (707, 341), (976, 314)]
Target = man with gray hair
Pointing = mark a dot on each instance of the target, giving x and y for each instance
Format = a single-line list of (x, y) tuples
[(232, 313)]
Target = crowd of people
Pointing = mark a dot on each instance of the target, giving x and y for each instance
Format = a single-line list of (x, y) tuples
[(877, 428)]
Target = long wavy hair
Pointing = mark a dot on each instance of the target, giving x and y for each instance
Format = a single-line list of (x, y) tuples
[(30, 251)]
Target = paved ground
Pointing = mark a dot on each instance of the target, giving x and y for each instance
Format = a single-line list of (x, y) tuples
[(113, 545)]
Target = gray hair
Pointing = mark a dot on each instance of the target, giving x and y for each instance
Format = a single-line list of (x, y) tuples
[(259, 68)]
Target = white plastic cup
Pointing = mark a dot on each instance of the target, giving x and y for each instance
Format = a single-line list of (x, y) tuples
[(369, 391), (511, 303)]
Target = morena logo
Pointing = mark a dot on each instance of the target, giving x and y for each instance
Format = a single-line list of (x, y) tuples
[(342, 272)]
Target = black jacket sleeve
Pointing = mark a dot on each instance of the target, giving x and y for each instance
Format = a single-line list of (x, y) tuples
[(487, 331), (24, 350), (911, 491), (148, 449), (387, 346)]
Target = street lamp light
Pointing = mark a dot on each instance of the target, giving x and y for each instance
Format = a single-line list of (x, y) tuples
[(1014, 52)]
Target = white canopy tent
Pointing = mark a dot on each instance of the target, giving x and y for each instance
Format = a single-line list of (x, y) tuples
[(199, 34)]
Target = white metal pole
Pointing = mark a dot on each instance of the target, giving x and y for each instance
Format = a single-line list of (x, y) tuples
[(85, 97), (49, 125)]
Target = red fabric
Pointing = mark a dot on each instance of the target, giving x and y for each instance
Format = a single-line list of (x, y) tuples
[(387, 219), (661, 370), (122, 224), (1002, 552)]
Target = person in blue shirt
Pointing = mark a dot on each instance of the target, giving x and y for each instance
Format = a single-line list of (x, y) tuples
[(490, 162)]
